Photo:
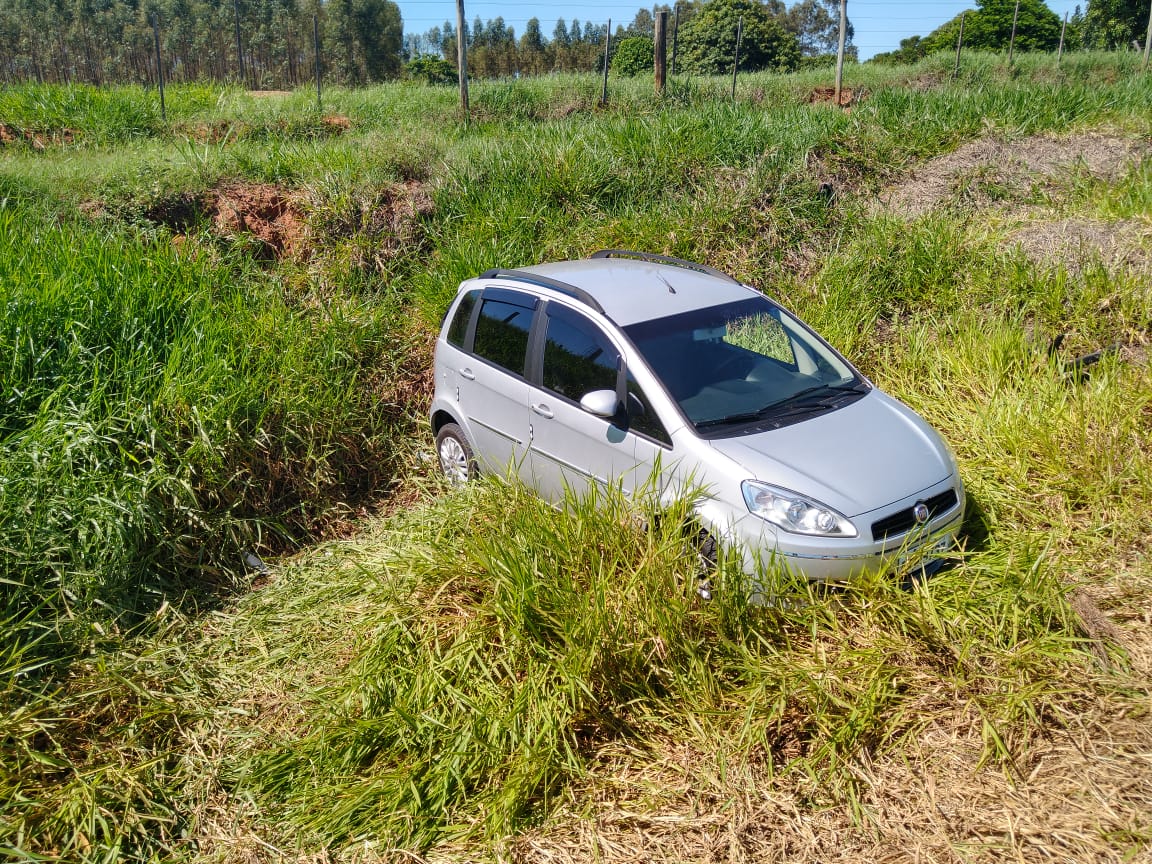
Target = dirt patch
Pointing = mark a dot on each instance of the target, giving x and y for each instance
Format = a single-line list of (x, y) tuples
[(988, 170), (566, 110), (214, 132), (10, 135), (1074, 243), (848, 96), (337, 123), (261, 211), (379, 226)]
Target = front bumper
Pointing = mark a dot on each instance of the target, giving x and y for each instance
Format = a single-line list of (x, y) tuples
[(837, 559)]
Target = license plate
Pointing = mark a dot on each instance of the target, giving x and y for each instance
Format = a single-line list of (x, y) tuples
[(924, 553)]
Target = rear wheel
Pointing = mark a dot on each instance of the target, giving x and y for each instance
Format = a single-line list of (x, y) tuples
[(456, 458)]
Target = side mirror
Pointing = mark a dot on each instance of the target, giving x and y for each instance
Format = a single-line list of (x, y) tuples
[(602, 403)]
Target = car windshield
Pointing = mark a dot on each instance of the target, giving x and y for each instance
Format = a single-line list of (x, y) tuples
[(745, 365)]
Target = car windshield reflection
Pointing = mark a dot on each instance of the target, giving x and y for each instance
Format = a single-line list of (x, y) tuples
[(743, 364)]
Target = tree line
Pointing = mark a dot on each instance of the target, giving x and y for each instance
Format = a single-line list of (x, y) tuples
[(1104, 25), (269, 43), (262, 43)]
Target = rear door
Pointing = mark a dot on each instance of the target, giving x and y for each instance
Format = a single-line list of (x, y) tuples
[(493, 389)]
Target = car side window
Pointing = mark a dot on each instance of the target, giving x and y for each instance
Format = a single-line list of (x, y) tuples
[(641, 417), (578, 357), (502, 330), (458, 330)]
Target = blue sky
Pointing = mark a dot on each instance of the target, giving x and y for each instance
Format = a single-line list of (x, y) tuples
[(880, 24)]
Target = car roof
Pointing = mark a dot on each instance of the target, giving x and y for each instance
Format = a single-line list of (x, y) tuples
[(630, 291)]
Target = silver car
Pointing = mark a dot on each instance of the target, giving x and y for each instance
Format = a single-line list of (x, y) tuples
[(601, 370)]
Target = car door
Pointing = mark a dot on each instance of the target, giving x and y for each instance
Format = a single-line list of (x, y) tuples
[(571, 447), (492, 386)]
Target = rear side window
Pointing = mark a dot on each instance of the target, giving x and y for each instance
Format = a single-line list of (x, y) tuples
[(502, 332), (578, 358), (458, 330)]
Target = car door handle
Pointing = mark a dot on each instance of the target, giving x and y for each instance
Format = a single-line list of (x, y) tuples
[(467, 373), (543, 410)]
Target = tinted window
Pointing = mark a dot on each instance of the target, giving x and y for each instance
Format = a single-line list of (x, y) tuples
[(578, 358), (502, 333), (459, 328), (641, 417)]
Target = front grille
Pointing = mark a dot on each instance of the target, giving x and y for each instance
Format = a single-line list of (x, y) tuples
[(903, 521)]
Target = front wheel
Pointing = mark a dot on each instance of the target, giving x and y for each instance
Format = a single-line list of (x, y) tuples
[(706, 552), (456, 458)]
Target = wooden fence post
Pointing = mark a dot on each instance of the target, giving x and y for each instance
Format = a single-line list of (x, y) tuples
[(660, 50), (736, 53), (1012, 41), (604, 85), (1147, 40), (840, 51), (316, 52), (159, 66), (462, 58), (239, 46), (959, 45)]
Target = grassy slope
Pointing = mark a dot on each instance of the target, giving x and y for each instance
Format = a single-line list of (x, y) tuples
[(563, 678)]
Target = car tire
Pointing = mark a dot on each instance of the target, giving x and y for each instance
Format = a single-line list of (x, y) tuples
[(707, 556), (457, 461)]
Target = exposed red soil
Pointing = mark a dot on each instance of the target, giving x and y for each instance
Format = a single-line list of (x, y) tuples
[(39, 140), (214, 132), (285, 223), (262, 211), (848, 96), (337, 123)]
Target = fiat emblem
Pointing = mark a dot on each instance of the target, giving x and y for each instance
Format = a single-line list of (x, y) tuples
[(920, 513)]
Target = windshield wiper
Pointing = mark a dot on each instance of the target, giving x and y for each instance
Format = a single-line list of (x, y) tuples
[(744, 417), (802, 402), (830, 392)]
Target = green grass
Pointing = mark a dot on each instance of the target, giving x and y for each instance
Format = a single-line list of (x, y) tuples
[(162, 415), (477, 668)]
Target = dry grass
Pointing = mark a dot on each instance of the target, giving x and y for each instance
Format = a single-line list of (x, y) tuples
[(990, 169), (1124, 244)]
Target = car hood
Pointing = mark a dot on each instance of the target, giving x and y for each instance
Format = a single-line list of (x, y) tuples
[(854, 459)]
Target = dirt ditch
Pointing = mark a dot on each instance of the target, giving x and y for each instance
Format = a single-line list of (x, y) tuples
[(282, 223), (11, 135)]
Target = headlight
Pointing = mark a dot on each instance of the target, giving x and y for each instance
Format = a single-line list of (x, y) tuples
[(794, 513)]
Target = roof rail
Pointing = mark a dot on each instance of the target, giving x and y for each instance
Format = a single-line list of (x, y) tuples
[(664, 259), (544, 282)]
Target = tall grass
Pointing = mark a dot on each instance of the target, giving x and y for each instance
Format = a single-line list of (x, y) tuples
[(506, 647), (158, 416)]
